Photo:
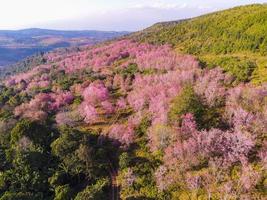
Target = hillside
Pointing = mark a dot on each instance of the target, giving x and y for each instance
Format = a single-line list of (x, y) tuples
[(17, 45), (232, 37), (132, 120)]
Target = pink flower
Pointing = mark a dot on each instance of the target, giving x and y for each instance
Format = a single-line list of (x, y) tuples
[(96, 92), (122, 133), (108, 107), (89, 113), (121, 103)]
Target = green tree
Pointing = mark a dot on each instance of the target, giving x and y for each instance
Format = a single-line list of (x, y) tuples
[(186, 102), (39, 134), (72, 148)]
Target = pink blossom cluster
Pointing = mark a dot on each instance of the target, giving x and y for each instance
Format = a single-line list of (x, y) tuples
[(42, 103), (122, 133), (187, 147), (96, 99), (93, 58), (164, 58), (210, 86), (42, 81), (124, 84), (246, 109), (191, 146), (60, 54), (27, 76), (88, 112), (96, 92), (155, 92), (121, 103), (70, 118), (147, 56)]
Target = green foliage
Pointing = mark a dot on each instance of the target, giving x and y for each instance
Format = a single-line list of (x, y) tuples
[(186, 102), (71, 149), (58, 178), (124, 160), (3, 161), (240, 68), (212, 118), (6, 94), (259, 75), (65, 81), (27, 174), (14, 100), (37, 133), (143, 163), (6, 126), (30, 166), (242, 31), (27, 162), (78, 100), (22, 66), (94, 192), (143, 126), (42, 90), (130, 70), (5, 114), (20, 196), (63, 192), (210, 34), (79, 156)]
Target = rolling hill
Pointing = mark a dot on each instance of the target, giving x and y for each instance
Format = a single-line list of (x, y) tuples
[(17, 45), (235, 39)]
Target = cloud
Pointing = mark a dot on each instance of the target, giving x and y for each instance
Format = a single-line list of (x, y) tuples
[(104, 14), (133, 18), (162, 5)]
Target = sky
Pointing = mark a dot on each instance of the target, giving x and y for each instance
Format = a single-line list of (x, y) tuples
[(108, 15)]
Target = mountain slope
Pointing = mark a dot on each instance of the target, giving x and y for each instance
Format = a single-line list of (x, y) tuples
[(238, 34), (169, 128), (234, 30)]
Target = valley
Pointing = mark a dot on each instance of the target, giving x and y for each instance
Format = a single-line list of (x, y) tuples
[(17, 45)]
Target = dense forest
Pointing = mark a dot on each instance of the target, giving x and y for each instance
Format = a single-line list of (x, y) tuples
[(136, 118)]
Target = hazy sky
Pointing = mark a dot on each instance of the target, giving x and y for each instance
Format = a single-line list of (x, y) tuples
[(104, 14)]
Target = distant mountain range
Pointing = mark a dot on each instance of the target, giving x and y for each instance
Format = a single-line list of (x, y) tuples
[(18, 44)]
